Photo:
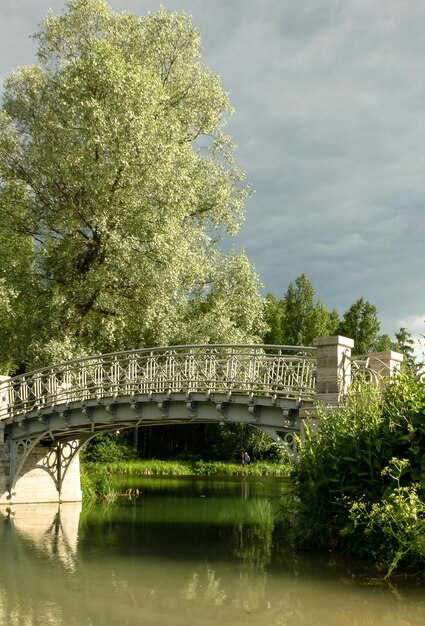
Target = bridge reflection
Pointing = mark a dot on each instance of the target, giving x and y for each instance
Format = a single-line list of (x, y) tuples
[(48, 529)]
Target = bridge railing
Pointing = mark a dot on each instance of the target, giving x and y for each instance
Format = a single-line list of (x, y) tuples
[(263, 370)]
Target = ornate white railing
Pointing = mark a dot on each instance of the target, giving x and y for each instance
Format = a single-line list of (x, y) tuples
[(360, 370), (263, 370), (373, 369)]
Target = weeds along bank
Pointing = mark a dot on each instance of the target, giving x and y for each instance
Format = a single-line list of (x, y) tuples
[(360, 479)]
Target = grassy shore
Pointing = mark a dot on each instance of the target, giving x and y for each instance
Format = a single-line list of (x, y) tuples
[(192, 468)]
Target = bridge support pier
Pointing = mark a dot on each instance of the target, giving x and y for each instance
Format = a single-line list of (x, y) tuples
[(44, 474)]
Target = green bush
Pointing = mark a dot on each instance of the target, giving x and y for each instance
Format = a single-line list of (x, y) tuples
[(87, 484), (395, 526), (342, 458), (107, 447), (342, 481)]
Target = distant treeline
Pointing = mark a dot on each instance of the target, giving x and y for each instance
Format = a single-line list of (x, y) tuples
[(298, 317)]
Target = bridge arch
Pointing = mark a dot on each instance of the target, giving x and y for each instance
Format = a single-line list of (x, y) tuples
[(60, 408), (46, 416)]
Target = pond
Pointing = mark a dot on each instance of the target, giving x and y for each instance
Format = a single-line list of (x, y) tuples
[(185, 551)]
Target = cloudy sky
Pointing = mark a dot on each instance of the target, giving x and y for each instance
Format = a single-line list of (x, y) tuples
[(330, 101)]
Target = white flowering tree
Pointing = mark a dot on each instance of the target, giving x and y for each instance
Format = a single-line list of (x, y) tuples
[(114, 165)]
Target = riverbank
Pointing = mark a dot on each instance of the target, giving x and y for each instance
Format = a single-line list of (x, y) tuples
[(154, 467)]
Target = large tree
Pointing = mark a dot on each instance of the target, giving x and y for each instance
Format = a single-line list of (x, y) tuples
[(305, 318), (114, 162)]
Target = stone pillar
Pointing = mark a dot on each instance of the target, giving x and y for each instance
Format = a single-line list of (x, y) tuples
[(385, 364), (333, 373)]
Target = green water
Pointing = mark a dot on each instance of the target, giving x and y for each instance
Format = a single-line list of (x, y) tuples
[(184, 552)]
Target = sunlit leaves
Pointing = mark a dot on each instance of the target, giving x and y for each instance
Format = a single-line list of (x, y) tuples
[(114, 150)]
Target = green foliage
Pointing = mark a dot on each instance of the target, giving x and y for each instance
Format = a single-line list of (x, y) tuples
[(395, 526), (156, 467), (384, 343), (275, 453), (304, 318), (274, 315), (361, 323), (96, 483), (107, 447), (16, 256), (87, 485), (151, 467), (298, 318), (214, 468), (342, 474), (405, 345), (114, 161), (228, 442), (336, 462)]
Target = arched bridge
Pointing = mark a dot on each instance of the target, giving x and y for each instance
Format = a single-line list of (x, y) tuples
[(46, 416), (50, 413)]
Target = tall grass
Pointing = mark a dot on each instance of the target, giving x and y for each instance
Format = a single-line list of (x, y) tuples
[(96, 483), (190, 468)]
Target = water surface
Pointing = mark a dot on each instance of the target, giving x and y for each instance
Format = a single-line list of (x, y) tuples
[(184, 552)]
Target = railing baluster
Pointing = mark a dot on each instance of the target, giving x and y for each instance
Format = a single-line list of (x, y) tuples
[(262, 370)]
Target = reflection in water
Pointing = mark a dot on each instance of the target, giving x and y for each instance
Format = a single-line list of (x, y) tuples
[(39, 549), (51, 529), (184, 554)]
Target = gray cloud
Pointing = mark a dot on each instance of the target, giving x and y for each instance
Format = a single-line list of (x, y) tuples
[(329, 123)]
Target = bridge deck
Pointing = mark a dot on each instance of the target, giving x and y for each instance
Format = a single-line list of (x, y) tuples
[(283, 372)]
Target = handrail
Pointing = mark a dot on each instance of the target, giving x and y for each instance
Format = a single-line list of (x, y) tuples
[(263, 370)]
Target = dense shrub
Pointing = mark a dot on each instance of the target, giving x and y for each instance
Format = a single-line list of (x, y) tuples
[(107, 447), (344, 479), (395, 526)]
